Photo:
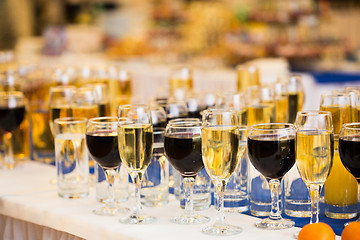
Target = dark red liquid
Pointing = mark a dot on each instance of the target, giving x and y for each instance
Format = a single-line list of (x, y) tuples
[(184, 153), (272, 158), (11, 118), (349, 151), (159, 124), (195, 114), (104, 148)]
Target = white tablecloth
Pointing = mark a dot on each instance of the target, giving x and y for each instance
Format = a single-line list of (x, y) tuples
[(30, 209)]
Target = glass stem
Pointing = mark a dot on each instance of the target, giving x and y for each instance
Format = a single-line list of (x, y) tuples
[(137, 177), (188, 191), (220, 186), (275, 213), (315, 197), (110, 178), (9, 154)]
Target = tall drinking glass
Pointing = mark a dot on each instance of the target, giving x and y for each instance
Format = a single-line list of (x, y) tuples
[(220, 148), (271, 148), (235, 101), (349, 149), (314, 153), (60, 103), (102, 143), (183, 148), (12, 113), (135, 137), (296, 94)]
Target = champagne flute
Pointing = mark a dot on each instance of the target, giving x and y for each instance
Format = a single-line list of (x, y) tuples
[(102, 143), (12, 113), (220, 148), (314, 153), (183, 149), (349, 149), (271, 148), (135, 136)]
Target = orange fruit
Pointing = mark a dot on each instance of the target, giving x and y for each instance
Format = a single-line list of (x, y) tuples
[(316, 231), (351, 231)]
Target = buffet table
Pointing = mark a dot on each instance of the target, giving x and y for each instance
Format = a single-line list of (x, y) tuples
[(31, 209)]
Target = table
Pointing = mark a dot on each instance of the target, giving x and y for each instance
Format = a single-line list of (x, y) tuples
[(29, 206)]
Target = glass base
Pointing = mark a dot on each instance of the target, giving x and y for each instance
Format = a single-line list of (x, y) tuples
[(190, 219), (275, 224), (224, 230), (143, 219), (111, 210)]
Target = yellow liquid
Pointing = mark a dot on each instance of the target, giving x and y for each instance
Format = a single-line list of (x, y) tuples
[(120, 94), (176, 83), (263, 113), (220, 146), (135, 146), (282, 109), (246, 78), (355, 114), (341, 187), (340, 115), (85, 111), (314, 155), (42, 137)]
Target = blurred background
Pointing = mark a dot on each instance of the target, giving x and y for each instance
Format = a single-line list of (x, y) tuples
[(312, 35)]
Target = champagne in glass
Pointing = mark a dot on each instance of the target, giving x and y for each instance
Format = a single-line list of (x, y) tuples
[(135, 137), (102, 143), (314, 153), (236, 102), (271, 149), (247, 75), (220, 146), (12, 113), (281, 103), (340, 200), (84, 103), (182, 145), (261, 104), (181, 79)]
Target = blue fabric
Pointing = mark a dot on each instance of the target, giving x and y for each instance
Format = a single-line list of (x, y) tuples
[(335, 77)]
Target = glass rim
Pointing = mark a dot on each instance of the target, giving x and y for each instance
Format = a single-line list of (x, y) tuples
[(184, 124), (219, 110), (130, 106), (351, 125), (313, 113), (99, 120), (184, 119), (261, 125), (70, 120)]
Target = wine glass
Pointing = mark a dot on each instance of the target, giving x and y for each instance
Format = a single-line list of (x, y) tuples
[(349, 149), (102, 97), (12, 113), (182, 145), (60, 103), (220, 150), (314, 153), (135, 136), (271, 148), (102, 143), (261, 104)]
